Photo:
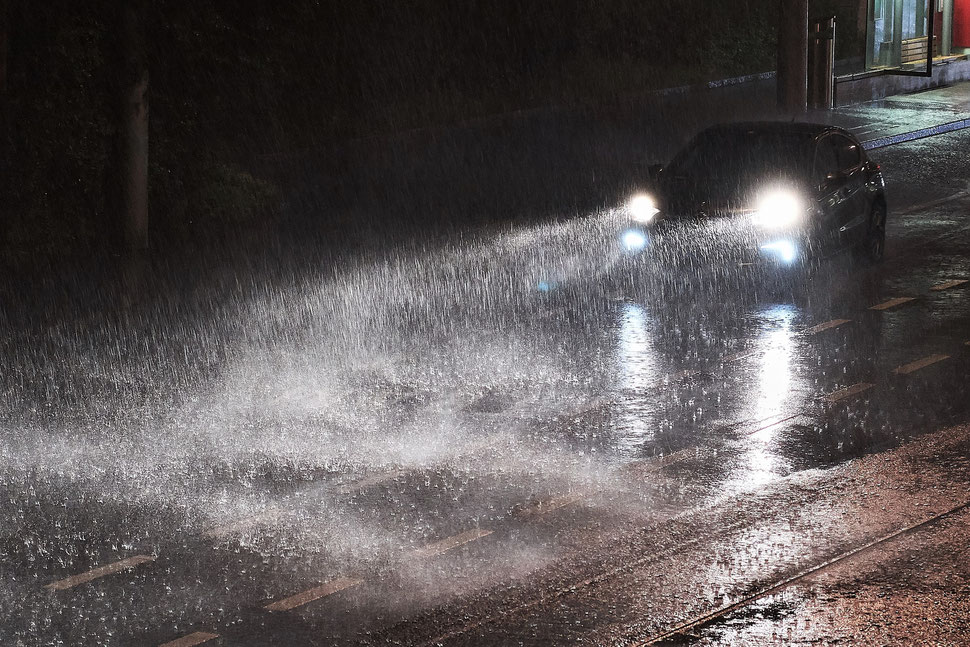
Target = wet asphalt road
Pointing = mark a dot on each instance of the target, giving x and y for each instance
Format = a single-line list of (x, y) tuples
[(516, 438)]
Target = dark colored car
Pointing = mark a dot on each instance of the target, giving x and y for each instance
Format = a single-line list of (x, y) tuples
[(776, 193)]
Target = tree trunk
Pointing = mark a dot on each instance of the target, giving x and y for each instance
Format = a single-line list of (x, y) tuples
[(792, 75), (4, 39), (135, 166), (133, 127)]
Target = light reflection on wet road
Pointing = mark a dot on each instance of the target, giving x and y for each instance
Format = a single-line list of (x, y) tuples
[(442, 436)]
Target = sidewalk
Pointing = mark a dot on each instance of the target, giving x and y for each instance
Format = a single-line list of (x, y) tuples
[(908, 116)]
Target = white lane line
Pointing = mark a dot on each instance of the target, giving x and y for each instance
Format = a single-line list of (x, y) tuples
[(236, 528), (739, 356), (101, 571), (680, 375), (549, 505), (906, 369), (828, 325), (892, 303), (764, 427), (948, 285), (274, 514), (191, 640), (658, 463), (443, 546), (848, 391), (322, 591), (590, 405), (375, 479), (239, 527)]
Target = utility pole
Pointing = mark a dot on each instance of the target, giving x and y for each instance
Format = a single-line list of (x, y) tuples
[(792, 77)]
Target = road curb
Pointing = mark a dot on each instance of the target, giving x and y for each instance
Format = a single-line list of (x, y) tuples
[(889, 140)]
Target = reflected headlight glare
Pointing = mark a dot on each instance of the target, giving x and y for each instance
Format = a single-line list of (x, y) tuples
[(634, 241), (783, 249), (643, 208), (779, 209)]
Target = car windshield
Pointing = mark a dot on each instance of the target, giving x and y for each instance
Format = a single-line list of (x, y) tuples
[(743, 156)]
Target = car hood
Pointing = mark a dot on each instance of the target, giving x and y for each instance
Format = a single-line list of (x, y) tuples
[(709, 197)]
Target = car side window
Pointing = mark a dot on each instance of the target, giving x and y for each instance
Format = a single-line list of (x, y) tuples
[(826, 160), (848, 151)]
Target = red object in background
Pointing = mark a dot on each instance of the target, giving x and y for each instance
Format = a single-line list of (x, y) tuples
[(961, 23)]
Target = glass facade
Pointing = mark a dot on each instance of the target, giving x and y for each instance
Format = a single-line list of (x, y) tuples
[(899, 35), (904, 36)]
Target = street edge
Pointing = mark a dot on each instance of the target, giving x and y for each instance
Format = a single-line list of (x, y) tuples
[(922, 133)]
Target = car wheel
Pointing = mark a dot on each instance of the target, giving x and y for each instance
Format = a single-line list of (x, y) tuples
[(874, 246)]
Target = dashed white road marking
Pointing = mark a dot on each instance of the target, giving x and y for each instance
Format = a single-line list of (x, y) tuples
[(271, 515), (739, 356), (443, 546), (549, 505), (375, 479), (892, 303), (658, 463), (905, 369), (769, 425), (274, 514), (947, 285), (828, 325), (680, 375), (101, 571), (848, 391), (317, 592), (590, 405), (191, 640)]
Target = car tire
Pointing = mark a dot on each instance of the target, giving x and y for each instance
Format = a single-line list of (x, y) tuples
[(873, 248)]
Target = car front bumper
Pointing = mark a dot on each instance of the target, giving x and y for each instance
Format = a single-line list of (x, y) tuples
[(714, 244)]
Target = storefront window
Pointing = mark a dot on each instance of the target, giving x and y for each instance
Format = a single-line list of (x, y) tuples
[(900, 35)]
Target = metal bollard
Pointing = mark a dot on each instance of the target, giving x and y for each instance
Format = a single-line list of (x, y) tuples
[(821, 65)]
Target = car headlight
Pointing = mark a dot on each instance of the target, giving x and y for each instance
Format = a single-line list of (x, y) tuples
[(643, 208), (778, 209)]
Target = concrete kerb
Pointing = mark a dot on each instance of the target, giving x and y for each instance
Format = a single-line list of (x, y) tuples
[(712, 85), (889, 140)]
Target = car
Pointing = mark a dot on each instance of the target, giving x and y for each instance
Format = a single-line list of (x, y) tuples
[(770, 194)]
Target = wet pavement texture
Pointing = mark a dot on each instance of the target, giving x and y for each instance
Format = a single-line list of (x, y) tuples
[(905, 113), (914, 590), (669, 583), (522, 436)]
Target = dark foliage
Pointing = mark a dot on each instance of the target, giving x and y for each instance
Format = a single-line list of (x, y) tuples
[(230, 80)]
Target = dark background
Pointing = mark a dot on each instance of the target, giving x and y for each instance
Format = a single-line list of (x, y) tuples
[(235, 84)]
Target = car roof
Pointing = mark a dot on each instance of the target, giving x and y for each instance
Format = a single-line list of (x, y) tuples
[(776, 127)]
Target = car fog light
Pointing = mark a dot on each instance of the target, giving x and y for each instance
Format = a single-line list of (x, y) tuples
[(784, 249), (634, 241)]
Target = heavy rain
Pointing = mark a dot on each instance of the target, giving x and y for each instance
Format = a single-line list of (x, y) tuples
[(466, 324)]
